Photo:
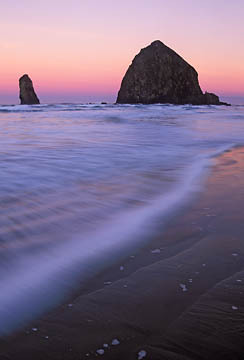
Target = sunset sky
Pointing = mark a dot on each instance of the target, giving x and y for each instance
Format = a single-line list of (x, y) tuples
[(79, 50)]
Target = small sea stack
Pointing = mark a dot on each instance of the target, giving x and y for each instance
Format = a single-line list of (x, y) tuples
[(159, 75), (27, 93)]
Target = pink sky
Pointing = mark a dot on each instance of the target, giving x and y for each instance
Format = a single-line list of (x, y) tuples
[(79, 50)]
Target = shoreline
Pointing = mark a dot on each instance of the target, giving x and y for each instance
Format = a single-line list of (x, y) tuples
[(179, 298)]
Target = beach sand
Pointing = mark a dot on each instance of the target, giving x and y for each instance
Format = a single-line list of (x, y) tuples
[(180, 297)]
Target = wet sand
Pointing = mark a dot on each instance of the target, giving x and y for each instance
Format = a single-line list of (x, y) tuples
[(180, 297)]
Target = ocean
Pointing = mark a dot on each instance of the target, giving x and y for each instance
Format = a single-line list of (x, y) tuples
[(85, 185)]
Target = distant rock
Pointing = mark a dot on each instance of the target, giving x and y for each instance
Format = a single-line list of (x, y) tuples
[(159, 75), (27, 93)]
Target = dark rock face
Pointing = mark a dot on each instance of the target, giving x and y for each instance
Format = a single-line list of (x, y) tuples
[(159, 75), (27, 93)]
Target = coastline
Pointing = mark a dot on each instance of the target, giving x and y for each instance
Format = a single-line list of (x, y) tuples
[(179, 298)]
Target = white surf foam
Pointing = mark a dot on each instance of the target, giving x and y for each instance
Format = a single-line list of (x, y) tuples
[(39, 281)]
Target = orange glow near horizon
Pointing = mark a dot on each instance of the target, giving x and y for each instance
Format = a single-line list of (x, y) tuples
[(86, 48)]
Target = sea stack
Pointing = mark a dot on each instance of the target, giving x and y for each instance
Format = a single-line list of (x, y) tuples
[(27, 93), (159, 75)]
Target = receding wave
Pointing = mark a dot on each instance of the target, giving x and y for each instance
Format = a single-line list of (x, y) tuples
[(84, 184), (37, 281)]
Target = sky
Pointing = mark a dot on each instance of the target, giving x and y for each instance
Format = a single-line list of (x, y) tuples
[(78, 51)]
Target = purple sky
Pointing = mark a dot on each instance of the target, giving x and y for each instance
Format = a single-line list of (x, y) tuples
[(79, 50)]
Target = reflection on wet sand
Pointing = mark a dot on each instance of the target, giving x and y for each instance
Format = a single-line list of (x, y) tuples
[(182, 302), (87, 193)]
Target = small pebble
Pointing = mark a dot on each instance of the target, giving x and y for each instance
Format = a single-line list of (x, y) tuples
[(183, 287), (34, 329), (105, 346), (115, 342), (70, 305), (121, 268), (100, 352), (239, 280), (234, 254), (234, 308), (142, 354), (203, 265)]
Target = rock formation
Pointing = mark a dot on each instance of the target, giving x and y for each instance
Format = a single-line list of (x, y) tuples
[(159, 75), (27, 93)]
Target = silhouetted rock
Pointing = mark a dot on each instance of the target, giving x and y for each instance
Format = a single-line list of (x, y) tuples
[(27, 93), (211, 99), (159, 75)]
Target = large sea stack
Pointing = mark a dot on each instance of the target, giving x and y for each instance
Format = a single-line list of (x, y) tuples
[(159, 75), (27, 93)]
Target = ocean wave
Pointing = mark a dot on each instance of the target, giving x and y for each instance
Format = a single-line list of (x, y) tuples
[(37, 281), (83, 184), (99, 106)]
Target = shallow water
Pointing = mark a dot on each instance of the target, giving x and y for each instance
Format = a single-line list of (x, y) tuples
[(82, 185)]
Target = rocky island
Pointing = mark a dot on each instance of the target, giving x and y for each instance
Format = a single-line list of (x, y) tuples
[(27, 93), (159, 75)]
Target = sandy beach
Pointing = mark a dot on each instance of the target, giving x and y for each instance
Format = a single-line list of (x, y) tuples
[(180, 297), (122, 180)]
